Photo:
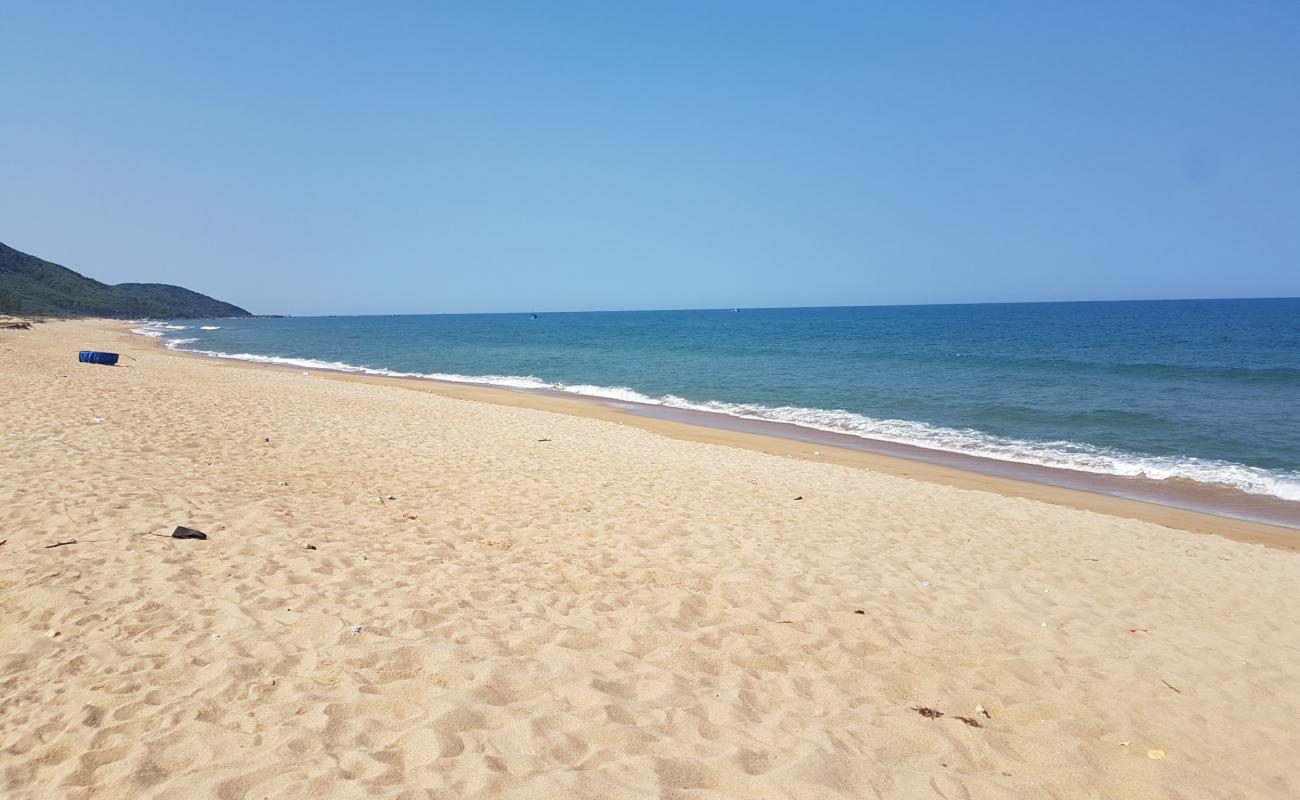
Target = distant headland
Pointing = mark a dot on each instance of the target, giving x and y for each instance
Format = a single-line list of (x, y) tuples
[(34, 287)]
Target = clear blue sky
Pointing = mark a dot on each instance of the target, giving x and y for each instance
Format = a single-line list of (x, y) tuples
[(374, 158)]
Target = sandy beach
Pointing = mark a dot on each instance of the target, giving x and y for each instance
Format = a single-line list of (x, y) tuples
[(408, 592)]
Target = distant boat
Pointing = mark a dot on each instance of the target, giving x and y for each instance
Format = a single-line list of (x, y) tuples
[(534, 316), (735, 310)]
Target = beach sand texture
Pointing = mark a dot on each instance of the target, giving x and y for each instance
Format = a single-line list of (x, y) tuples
[(557, 606)]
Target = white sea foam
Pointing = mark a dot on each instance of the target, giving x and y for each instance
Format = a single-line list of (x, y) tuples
[(608, 392), (172, 344), (209, 327), (1060, 454), (155, 329)]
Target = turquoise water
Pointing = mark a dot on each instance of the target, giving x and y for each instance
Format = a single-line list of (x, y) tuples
[(1207, 391)]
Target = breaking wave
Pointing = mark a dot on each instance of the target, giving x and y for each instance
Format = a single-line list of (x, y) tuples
[(157, 329)]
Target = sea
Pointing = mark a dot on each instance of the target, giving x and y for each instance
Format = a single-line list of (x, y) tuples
[(1191, 392)]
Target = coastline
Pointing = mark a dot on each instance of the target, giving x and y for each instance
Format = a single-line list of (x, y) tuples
[(416, 589), (1258, 519)]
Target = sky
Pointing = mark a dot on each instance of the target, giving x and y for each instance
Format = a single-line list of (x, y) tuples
[(357, 158)]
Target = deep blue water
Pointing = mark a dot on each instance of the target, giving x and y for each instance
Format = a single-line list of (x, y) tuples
[(1202, 390)]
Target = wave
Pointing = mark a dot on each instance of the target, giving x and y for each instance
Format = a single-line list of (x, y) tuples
[(157, 329), (209, 327), (1060, 454)]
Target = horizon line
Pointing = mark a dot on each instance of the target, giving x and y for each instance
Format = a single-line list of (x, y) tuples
[(775, 308)]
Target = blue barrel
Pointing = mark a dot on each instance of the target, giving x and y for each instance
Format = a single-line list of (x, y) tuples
[(97, 357)]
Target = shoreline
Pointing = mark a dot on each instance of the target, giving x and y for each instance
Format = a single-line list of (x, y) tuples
[(1119, 496), (408, 587)]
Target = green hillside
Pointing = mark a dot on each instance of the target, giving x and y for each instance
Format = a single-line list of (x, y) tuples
[(34, 287)]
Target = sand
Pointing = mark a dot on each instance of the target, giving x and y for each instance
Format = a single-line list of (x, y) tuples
[(559, 605)]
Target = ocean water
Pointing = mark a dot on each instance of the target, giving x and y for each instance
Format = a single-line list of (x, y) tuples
[(1205, 391)]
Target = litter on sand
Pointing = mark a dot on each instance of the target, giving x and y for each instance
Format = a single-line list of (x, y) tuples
[(1155, 755), (182, 532), (97, 357), (355, 628)]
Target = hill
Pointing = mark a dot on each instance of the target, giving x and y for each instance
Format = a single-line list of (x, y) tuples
[(32, 286)]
